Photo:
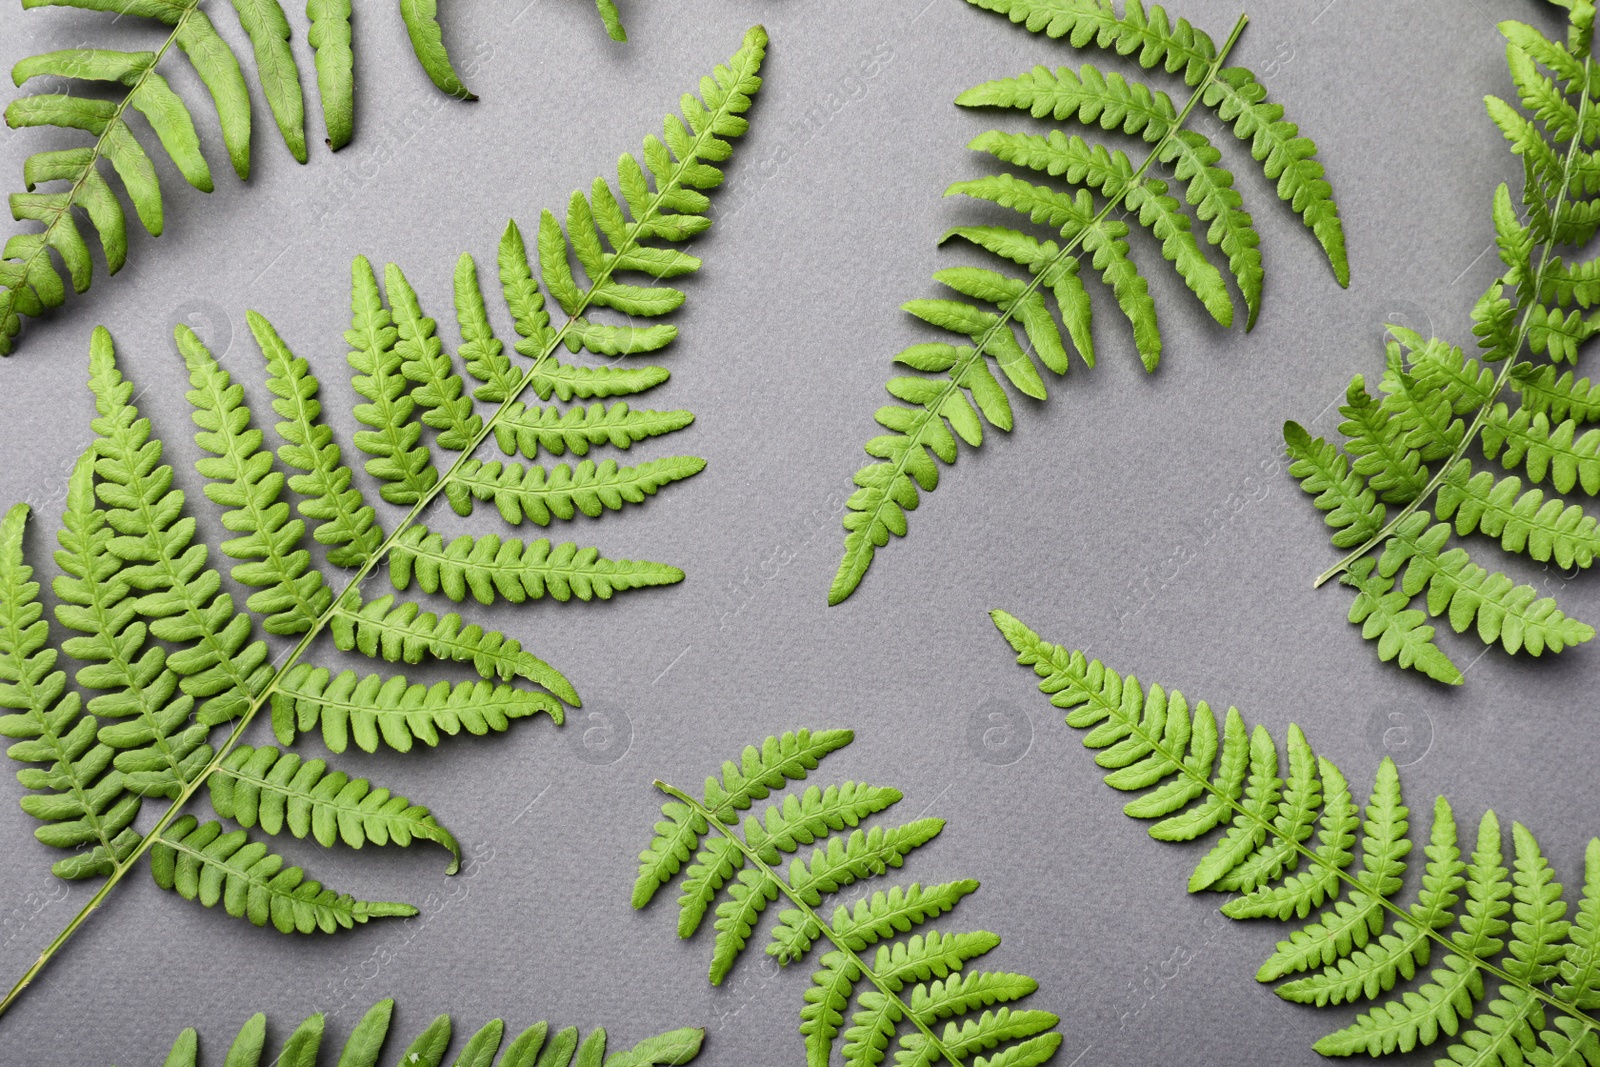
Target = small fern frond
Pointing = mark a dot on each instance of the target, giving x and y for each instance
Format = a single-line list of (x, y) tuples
[(1512, 979), (374, 710), (1096, 197), (539, 495), (165, 657), (486, 1047), (912, 984)]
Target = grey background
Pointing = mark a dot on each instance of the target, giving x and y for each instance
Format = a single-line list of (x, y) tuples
[(1148, 517)]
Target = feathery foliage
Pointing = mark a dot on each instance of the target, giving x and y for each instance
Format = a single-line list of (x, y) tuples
[(163, 656), (1489, 959), (1407, 450), (76, 179), (903, 991), (1095, 190), (485, 1048)]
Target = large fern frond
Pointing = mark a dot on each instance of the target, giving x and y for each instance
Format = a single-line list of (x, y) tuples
[(1484, 962), (77, 179), (1410, 447), (903, 990), (1096, 195), (166, 656), (487, 1047)]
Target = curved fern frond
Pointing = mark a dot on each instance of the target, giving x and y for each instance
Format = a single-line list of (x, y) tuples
[(200, 862), (1484, 963), (911, 985), (166, 657), (1411, 448), (1098, 193), (486, 1047), (30, 281)]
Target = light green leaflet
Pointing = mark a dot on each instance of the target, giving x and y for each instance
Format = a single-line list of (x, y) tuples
[(1408, 446), (170, 672), (75, 180), (536, 1046), (1096, 195), (1489, 961)]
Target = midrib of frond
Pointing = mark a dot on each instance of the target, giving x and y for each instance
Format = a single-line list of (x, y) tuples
[(8, 303), (1528, 296), (738, 76), (861, 544), (1135, 726), (755, 860)]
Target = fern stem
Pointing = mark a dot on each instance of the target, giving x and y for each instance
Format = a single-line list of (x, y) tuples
[(1528, 297), (933, 407), (10, 301), (663, 190), (1266, 826), (756, 861)]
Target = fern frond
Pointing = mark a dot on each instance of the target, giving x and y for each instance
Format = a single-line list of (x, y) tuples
[(374, 709), (911, 984), (166, 657), (526, 430), (1488, 998), (202, 863), (956, 392), (487, 567), (30, 281), (280, 790), (486, 1047), (1437, 404)]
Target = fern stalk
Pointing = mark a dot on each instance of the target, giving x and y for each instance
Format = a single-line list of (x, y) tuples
[(1020, 637), (755, 860), (860, 548), (664, 191), (1528, 297), (8, 303)]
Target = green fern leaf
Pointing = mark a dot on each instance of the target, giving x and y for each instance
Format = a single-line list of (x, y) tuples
[(278, 790), (539, 496), (911, 985), (956, 392), (1365, 944), (1411, 450), (484, 1048), (165, 657), (29, 279), (374, 710)]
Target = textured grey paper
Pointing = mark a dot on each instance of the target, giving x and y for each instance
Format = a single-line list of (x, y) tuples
[(1148, 517)]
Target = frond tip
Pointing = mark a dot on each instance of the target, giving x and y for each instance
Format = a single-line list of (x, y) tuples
[(902, 990), (1498, 992), (1093, 198)]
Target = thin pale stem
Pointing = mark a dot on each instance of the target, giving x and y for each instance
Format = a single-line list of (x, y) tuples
[(411, 517), (806, 909)]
